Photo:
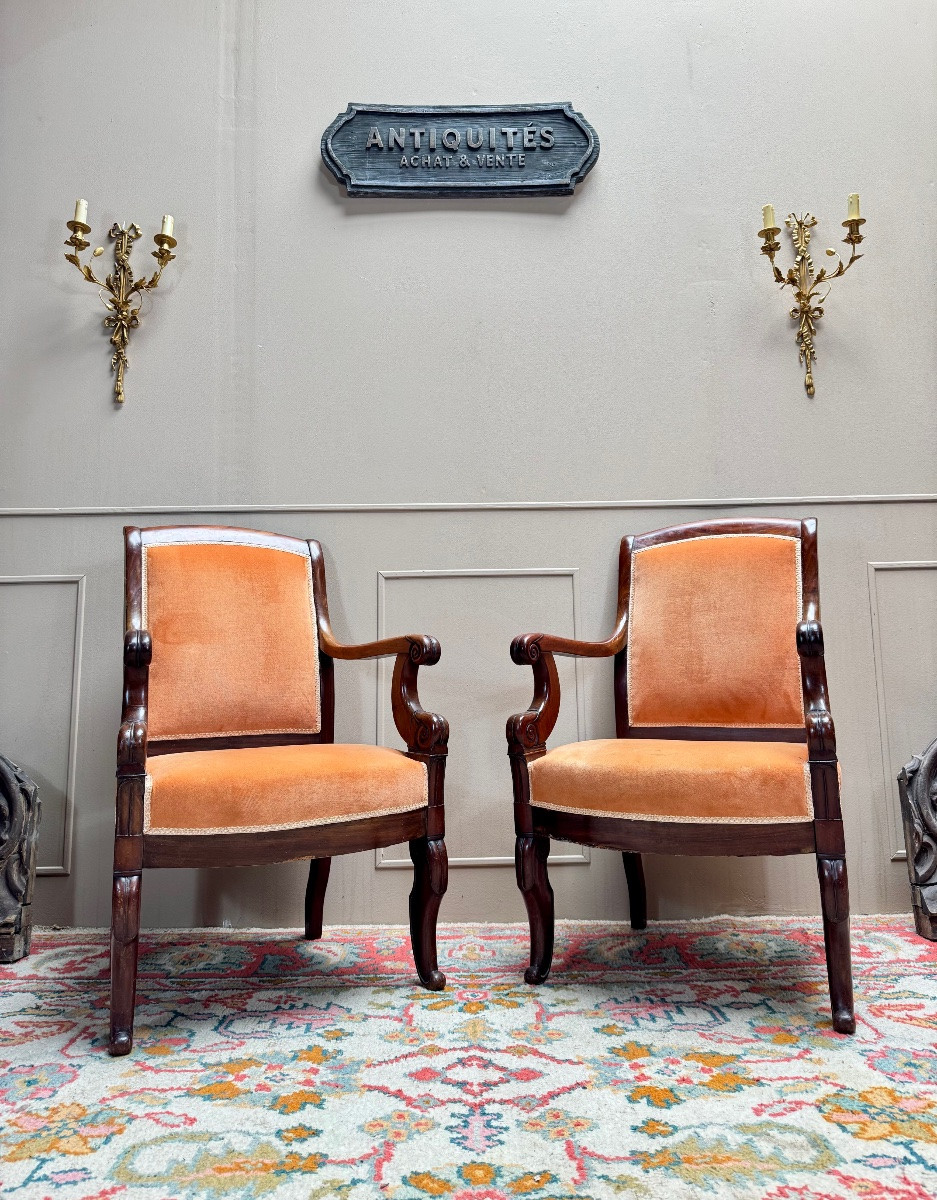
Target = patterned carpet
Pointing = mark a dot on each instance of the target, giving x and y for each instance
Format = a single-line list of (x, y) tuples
[(691, 1060)]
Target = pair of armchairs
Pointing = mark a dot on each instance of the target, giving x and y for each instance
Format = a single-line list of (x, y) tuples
[(226, 755)]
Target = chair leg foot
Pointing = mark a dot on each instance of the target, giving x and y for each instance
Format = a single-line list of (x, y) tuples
[(315, 897), (637, 892), (430, 879), (121, 1043), (834, 896), (530, 860), (125, 934)]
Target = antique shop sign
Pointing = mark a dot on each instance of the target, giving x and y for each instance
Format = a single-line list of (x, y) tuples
[(478, 150)]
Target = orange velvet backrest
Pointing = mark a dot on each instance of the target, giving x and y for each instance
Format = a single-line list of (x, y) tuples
[(712, 632), (233, 624)]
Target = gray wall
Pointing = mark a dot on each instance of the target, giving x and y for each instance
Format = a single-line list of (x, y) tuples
[(468, 403)]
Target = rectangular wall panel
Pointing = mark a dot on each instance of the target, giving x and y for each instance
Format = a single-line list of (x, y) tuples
[(903, 601), (476, 687), (41, 621)]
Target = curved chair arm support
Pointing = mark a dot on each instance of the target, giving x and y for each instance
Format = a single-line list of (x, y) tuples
[(426, 733), (131, 740), (821, 733), (527, 732)]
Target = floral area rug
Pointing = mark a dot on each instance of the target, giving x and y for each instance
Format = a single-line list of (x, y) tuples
[(689, 1060)]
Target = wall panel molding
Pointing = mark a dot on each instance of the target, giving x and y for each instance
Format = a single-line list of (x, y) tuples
[(889, 779), (68, 815), (383, 687), (472, 506)]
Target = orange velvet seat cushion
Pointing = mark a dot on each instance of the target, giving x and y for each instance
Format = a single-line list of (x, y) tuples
[(278, 787), (712, 632), (666, 780)]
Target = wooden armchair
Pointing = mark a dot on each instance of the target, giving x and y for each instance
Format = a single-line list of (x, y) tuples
[(226, 751), (724, 740)]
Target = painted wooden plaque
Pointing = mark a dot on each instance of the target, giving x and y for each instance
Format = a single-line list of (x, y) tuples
[(476, 150)]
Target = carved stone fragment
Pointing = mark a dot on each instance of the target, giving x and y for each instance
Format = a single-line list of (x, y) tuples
[(19, 833), (917, 785)]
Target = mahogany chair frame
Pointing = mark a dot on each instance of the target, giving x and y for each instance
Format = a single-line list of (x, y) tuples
[(426, 735), (527, 734)]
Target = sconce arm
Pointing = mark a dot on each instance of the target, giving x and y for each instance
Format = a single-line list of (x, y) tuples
[(85, 270)]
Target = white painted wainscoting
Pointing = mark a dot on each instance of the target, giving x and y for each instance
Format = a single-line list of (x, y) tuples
[(474, 576)]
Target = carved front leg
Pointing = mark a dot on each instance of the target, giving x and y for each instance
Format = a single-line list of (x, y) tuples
[(125, 937), (430, 880), (917, 785), (530, 861), (834, 897)]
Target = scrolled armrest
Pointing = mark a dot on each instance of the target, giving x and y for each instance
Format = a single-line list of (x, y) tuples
[(528, 731), (527, 647), (420, 647), (424, 732)]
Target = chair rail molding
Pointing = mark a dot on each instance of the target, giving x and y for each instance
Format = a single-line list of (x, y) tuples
[(572, 573), (68, 814), (889, 776), (469, 505)]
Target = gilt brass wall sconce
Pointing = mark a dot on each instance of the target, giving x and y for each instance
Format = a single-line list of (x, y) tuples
[(121, 293), (804, 281)]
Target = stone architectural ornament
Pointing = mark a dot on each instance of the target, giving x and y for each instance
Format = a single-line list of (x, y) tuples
[(475, 150), (917, 785), (19, 833)]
